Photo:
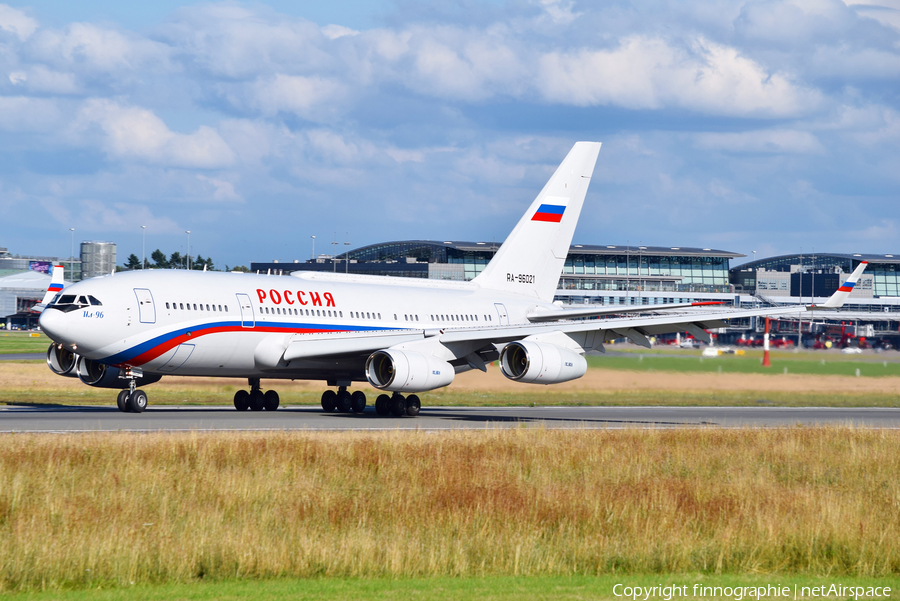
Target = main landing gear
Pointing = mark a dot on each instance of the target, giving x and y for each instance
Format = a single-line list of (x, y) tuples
[(396, 405), (343, 401), (131, 400), (256, 399)]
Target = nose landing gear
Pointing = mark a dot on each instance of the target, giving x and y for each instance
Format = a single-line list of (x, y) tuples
[(131, 400)]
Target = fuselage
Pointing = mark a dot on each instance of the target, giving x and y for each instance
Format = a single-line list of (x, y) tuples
[(210, 324)]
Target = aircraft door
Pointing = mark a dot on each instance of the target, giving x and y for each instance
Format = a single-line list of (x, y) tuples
[(501, 312), (146, 308), (247, 318)]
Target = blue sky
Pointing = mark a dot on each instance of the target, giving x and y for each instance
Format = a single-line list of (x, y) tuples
[(768, 125)]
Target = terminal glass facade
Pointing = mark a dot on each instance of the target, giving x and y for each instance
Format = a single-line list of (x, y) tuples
[(704, 271)]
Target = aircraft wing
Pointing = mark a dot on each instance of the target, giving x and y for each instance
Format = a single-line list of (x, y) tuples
[(477, 344), (595, 311)]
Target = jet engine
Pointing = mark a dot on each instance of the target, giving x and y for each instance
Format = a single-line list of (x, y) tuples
[(540, 363), (100, 375), (61, 362), (407, 371)]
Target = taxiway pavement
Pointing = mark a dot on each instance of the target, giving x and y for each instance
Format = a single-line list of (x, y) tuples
[(167, 418)]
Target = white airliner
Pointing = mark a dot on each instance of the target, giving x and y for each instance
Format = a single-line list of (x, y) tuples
[(401, 335)]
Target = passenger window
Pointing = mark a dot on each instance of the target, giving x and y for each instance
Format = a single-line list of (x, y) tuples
[(167, 305), (226, 308), (379, 316), (367, 315), (341, 313), (417, 318), (207, 307), (195, 306), (182, 306)]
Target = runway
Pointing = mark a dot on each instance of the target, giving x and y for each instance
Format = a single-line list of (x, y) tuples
[(56, 418)]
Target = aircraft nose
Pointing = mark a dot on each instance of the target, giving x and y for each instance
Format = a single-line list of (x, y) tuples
[(54, 323)]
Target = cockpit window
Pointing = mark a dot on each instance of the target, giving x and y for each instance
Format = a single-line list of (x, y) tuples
[(95, 302), (69, 302)]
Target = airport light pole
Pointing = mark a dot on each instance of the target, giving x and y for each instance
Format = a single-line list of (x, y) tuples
[(72, 255), (143, 238), (313, 248), (188, 259), (347, 255), (334, 253)]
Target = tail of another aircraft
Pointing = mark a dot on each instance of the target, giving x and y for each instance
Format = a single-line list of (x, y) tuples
[(57, 283), (531, 259)]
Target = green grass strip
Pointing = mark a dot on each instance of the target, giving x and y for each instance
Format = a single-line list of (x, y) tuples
[(495, 588)]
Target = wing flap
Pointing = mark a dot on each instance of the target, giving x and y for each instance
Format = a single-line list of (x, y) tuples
[(306, 346)]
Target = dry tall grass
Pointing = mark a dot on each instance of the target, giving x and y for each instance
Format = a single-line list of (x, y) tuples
[(78, 509)]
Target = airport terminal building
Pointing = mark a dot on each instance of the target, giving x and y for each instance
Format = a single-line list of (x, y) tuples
[(653, 275)]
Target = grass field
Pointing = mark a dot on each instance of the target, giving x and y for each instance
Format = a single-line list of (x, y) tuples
[(558, 588), (108, 510), (23, 342)]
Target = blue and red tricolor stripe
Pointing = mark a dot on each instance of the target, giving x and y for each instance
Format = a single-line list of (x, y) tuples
[(847, 287), (551, 213), (54, 287), (159, 345)]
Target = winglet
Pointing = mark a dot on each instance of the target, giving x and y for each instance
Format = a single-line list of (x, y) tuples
[(840, 296), (57, 283)]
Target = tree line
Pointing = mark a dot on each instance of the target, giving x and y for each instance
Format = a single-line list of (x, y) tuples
[(175, 261)]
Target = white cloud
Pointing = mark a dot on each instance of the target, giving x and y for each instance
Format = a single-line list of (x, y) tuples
[(333, 32), (312, 98), (24, 114), (92, 48), (768, 140), (137, 133), (40, 79), (16, 22), (222, 190), (650, 73)]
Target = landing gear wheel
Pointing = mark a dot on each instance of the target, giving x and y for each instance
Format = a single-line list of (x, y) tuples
[(122, 401), (398, 405), (257, 400), (358, 401), (241, 400), (383, 404), (271, 400), (413, 405), (137, 402), (344, 401), (329, 398)]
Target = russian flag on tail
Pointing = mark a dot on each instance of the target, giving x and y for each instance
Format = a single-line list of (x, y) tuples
[(549, 212)]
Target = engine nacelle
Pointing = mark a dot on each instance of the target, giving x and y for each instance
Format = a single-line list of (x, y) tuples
[(61, 362), (407, 371), (540, 363), (100, 375)]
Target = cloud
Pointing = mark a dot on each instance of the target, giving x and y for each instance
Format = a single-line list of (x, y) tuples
[(89, 48), (333, 32), (650, 73), (313, 98), (222, 190), (772, 140), (91, 215), (137, 133), (25, 114), (16, 22)]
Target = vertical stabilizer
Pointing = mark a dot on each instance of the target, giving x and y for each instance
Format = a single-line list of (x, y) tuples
[(57, 283), (836, 301), (531, 259)]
